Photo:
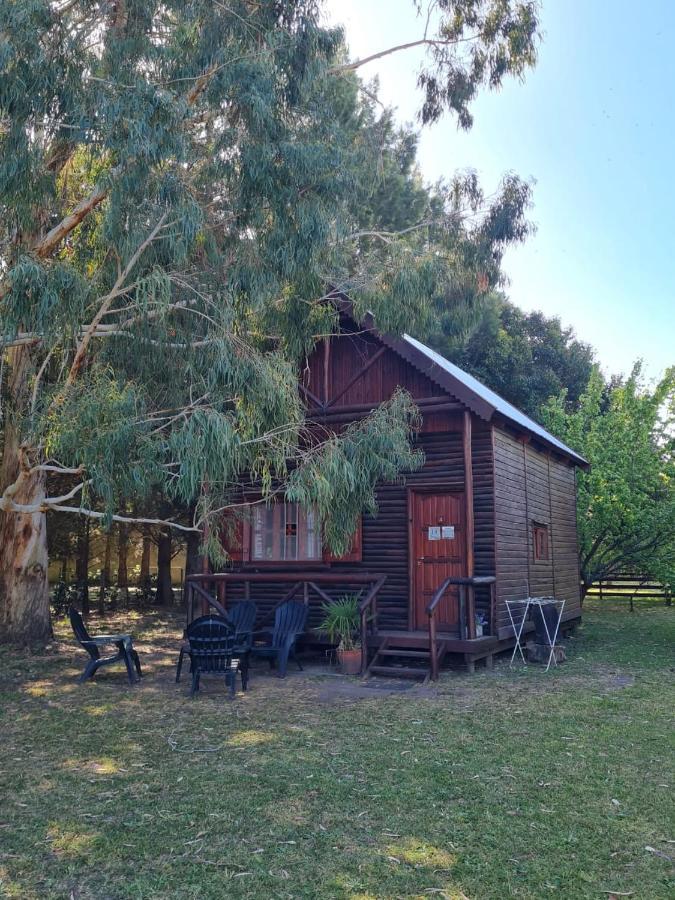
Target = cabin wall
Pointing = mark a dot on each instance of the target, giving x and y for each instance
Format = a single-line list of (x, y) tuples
[(531, 486), (565, 541), (385, 537), (483, 508), (328, 372)]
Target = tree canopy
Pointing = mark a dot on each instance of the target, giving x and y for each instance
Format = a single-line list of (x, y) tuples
[(626, 500), (181, 186), (526, 357)]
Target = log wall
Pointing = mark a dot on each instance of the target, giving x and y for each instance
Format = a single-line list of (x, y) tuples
[(385, 536)]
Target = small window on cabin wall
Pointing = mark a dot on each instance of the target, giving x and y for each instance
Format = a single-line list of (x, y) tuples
[(540, 541)]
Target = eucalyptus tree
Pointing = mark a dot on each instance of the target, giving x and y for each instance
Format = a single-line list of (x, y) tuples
[(177, 187)]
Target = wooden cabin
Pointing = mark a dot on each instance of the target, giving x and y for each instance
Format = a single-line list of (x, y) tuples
[(490, 517)]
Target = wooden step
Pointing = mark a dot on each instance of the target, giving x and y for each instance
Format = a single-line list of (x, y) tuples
[(407, 640), (399, 671), (404, 652)]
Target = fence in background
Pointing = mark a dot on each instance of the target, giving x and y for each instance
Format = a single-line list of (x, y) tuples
[(630, 588)]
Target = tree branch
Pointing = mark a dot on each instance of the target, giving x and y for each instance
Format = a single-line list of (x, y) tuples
[(48, 244), (53, 238), (105, 306), (422, 42), (8, 505), (132, 520)]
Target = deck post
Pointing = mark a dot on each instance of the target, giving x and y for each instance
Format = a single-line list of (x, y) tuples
[(470, 526), (364, 641), (433, 650)]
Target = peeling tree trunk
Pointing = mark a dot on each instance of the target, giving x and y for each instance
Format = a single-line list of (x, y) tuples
[(164, 595), (122, 571), (24, 590)]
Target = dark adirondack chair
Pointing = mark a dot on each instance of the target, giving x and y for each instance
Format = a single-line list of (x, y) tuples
[(93, 644), (212, 650), (242, 616), (289, 622)]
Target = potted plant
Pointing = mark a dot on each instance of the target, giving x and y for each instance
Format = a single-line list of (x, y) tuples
[(341, 624)]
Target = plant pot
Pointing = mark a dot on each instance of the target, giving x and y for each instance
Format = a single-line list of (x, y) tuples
[(350, 661)]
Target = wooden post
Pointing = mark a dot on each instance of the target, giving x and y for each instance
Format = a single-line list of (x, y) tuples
[(364, 641), (190, 601), (433, 655), (461, 599), (470, 526), (493, 610), (205, 556)]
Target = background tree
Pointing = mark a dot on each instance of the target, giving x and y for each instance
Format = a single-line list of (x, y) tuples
[(177, 186), (526, 357), (122, 562), (626, 500)]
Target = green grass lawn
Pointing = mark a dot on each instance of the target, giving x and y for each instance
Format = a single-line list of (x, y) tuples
[(503, 784)]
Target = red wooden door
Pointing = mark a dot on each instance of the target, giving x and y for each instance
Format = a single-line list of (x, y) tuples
[(438, 552)]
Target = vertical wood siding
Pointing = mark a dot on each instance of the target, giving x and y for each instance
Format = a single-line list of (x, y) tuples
[(483, 507), (531, 486), (348, 354)]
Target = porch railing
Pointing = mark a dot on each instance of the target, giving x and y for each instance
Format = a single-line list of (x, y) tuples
[(467, 610), (198, 598), (368, 614)]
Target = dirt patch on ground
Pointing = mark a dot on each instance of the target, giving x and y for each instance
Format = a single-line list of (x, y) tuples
[(319, 681)]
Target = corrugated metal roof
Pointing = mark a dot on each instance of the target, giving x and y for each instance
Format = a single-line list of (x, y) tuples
[(487, 396)]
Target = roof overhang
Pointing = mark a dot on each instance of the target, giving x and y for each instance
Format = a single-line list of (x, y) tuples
[(461, 386)]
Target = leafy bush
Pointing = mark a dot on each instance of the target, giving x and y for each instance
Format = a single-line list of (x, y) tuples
[(63, 596)]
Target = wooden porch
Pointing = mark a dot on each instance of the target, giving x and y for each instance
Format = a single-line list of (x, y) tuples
[(411, 653)]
